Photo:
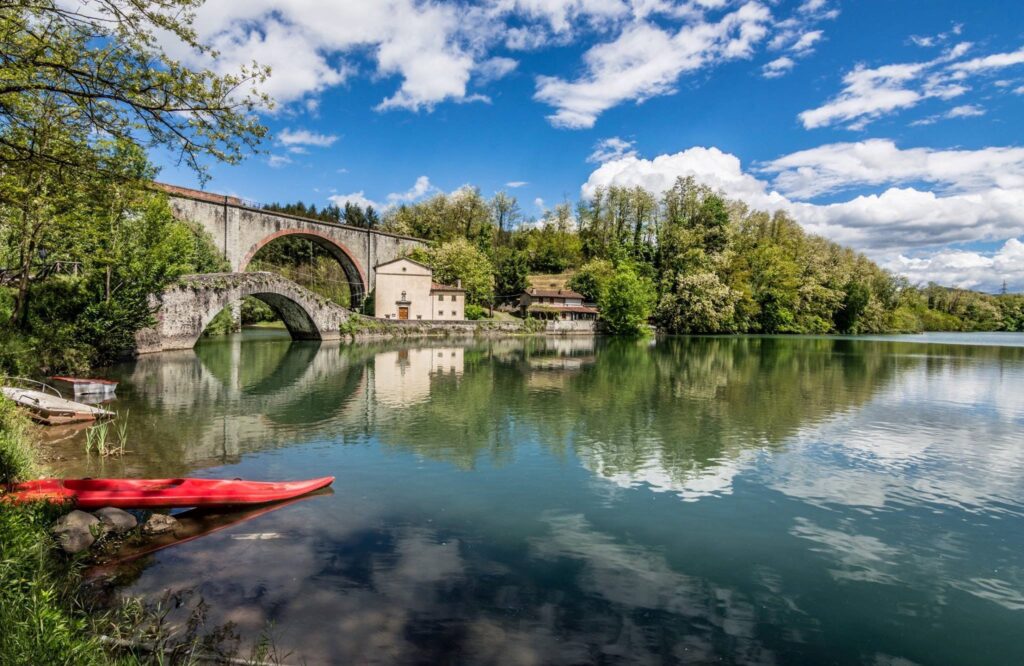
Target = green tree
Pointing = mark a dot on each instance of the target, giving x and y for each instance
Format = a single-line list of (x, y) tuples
[(627, 302), (461, 260)]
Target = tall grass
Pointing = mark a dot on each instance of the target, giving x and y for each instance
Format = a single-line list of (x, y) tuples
[(39, 623)]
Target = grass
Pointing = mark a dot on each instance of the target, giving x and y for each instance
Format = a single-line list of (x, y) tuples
[(40, 622)]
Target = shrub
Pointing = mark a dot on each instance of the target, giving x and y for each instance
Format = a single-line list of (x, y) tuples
[(474, 312)]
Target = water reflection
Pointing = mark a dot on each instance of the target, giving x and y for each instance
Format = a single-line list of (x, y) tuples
[(742, 500)]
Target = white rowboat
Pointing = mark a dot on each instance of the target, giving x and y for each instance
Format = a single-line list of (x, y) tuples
[(52, 409)]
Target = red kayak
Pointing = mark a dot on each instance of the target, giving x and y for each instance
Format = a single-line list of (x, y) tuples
[(170, 493)]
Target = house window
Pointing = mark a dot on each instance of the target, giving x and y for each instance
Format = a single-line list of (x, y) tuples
[(419, 316), (453, 298), (440, 297)]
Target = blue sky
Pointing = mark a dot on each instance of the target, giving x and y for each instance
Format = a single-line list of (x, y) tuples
[(891, 126)]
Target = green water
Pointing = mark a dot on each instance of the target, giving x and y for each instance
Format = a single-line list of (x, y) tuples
[(727, 500)]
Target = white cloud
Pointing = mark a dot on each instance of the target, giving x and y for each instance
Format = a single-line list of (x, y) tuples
[(965, 111), (302, 137), (806, 41), (278, 161), (612, 148), (867, 94), (358, 198), (778, 67), (645, 61), (495, 68), (871, 92), (987, 63), (516, 183), (979, 206), (838, 166), (539, 203), (419, 188), (966, 269)]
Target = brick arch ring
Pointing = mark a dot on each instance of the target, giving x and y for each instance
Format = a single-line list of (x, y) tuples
[(353, 271)]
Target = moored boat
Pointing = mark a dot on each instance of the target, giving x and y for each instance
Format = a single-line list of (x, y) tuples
[(50, 409), (162, 493), (85, 385)]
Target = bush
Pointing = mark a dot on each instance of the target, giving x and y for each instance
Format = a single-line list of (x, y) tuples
[(474, 312)]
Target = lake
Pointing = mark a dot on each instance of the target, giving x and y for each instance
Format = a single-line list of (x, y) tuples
[(739, 500)]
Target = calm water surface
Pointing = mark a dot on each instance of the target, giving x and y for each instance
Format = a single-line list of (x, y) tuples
[(727, 500)]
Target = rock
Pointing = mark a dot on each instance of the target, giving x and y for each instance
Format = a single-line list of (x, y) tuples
[(116, 520), (75, 531), (160, 523)]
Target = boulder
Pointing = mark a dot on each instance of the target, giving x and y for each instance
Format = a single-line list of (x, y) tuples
[(160, 523), (75, 531), (116, 520)]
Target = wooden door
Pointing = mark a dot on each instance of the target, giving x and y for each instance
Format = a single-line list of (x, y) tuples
[(403, 311)]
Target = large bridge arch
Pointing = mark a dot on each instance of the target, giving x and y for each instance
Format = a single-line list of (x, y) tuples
[(239, 229), (346, 258), (185, 309)]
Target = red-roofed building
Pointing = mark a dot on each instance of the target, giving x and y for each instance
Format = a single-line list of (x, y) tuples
[(556, 304)]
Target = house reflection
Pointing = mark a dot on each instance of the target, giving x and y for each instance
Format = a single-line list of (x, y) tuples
[(402, 378)]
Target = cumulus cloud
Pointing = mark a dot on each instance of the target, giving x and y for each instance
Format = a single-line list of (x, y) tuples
[(612, 148), (421, 187), (869, 93), (302, 137), (980, 193), (964, 268), (646, 61)]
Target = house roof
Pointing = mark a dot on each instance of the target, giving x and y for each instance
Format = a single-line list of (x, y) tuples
[(395, 261), (434, 286), (550, 307), (554, 293)]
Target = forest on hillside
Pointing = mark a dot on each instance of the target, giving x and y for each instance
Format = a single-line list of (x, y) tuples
[(690, 261)]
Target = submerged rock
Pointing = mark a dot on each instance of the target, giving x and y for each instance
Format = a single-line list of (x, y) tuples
[(116, 520), (75, 531), (160, 523)]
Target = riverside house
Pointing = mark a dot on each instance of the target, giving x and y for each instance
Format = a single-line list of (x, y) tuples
[(556, 305), (406, 290)]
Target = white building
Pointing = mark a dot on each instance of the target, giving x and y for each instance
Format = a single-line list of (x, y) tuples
[(406, 290)]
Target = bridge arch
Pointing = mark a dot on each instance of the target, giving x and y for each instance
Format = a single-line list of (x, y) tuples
[(184, 310), (346, 258)]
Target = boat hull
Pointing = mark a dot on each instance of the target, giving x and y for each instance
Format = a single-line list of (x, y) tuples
[(161, 493), (52, 410), (85, 386)]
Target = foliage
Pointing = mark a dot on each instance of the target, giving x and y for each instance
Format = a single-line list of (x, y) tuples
[(592, 279), (700, 303), (474, 312), (626, 302), (101, 68), (460, 260)]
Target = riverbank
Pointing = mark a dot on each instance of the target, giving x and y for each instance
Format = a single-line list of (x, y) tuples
[(42, 618)]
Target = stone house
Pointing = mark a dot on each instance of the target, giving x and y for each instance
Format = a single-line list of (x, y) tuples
[(556, 304), (406, 290)]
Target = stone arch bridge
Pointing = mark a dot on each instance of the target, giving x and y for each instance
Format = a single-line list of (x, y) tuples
[(184, 309), (239, 230)]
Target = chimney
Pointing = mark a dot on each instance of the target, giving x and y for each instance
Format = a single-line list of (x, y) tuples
[(458, 283)]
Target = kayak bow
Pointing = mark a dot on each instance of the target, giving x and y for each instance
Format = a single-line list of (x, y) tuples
[(169, 493)]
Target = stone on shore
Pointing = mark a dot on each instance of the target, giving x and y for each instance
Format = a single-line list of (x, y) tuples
[(75, 531), (116, 520), (160, 523)]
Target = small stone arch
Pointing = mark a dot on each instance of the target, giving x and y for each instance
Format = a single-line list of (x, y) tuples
[(354, 273), (184, 310)]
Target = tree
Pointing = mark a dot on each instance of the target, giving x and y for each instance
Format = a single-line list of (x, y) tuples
[(511, 274), (626, 303), (592, 279), (506, 213), (101, 62), (700, 303), (460, 260)]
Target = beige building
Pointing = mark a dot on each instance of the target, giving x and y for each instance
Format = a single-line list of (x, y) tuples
[(406, 290), (556, 304)]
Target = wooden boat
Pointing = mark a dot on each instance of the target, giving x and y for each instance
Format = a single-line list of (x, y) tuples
[(50, 409), (85, 385), (163, 493)]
